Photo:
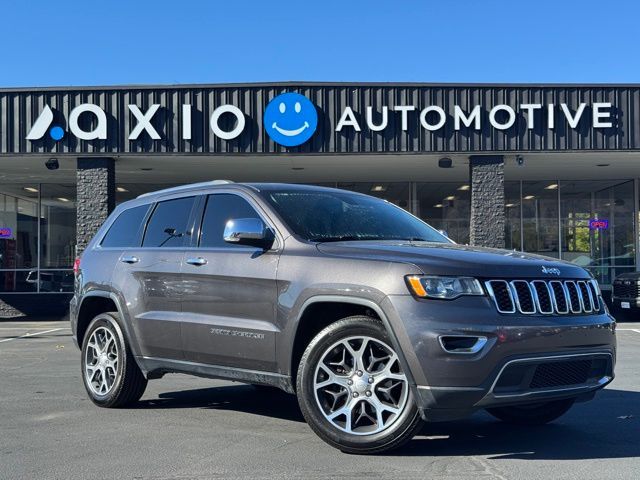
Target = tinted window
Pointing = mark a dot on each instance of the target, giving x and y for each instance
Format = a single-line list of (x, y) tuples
[(124, 231), (332, 215), (168, 224), (219, 210)]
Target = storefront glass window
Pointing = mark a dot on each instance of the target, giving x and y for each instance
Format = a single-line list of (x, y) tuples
[(18, 238), (37, 237), (445, 206), (597, 227), (540, 218)]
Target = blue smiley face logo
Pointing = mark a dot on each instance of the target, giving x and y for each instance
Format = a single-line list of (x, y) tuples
[(290, 119)]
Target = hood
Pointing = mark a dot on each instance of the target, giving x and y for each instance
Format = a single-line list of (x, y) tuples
[(452, 259)]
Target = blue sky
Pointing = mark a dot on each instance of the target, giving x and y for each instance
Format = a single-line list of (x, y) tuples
[(165, 42)]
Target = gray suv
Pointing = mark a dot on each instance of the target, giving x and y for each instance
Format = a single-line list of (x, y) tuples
[(376, 321)]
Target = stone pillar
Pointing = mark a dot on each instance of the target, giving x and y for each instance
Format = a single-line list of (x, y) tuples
[(487, 201), (96, 197)]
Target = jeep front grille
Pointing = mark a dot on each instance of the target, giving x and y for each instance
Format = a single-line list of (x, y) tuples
[(626, 288), (545, 297)]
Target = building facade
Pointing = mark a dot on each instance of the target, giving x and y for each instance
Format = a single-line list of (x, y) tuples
[(549, 169)]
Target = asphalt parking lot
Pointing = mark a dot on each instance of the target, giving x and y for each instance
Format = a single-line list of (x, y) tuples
[(188, 427)]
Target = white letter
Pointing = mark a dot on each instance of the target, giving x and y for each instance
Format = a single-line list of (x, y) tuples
[(551, 116), (40, 126), (383, 124), (474, 116), (573, 121), (404, 109), (597, 115), (186, 122), (423, 118), (502, 126), (348, 119), (101, 128), (227, 109), (144, 122), (530, 107)]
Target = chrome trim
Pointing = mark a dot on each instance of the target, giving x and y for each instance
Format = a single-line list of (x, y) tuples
[(554, 298), (603, 381), (584, 305), (579, 309), (587, 304), (479, 345), (516, 296), (489, 288), (536, 297)]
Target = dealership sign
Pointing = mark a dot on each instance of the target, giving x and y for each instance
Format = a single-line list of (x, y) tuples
[(290, 119)]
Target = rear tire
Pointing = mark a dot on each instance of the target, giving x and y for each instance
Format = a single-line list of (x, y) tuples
[(110, 373), (352, 390), (533, 414)]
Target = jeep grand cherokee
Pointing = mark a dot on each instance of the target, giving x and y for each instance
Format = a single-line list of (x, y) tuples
[(376, 321)]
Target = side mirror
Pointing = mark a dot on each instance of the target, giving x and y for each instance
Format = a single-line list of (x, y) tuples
[(248, 231)]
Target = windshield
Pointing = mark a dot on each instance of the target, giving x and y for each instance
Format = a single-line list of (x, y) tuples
[(331, 216)]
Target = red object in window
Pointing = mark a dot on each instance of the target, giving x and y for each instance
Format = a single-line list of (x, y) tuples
[(76, 265)]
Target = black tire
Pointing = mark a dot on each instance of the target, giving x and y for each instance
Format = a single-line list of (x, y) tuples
[(129, 383), (406, 423), (532, 414)]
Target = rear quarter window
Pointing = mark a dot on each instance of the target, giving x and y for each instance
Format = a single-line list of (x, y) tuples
[(124, 232)]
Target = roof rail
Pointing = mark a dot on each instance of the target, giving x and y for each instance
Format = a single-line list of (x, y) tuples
[(187, 187)]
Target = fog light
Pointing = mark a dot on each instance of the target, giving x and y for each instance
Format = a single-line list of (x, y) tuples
[(462, 343)]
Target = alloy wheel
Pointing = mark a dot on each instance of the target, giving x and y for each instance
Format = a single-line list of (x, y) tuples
[(359, 385), (101, 361)]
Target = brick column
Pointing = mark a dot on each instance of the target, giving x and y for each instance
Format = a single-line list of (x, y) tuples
[(96, 197), (487, 200)]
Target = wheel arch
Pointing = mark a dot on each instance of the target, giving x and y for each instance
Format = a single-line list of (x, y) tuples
[(95, 303), (306, 328)]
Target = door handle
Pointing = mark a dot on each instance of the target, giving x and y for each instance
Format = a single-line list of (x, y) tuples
[(130, 259), (197, 261)]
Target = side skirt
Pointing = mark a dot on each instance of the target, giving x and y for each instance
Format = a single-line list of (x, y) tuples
[(157, 367)]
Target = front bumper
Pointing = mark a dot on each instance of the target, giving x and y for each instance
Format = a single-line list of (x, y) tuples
[(452, 385), (629, 304)]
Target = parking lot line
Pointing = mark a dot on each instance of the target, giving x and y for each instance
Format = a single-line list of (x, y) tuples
[(31, 334), (629, 330)]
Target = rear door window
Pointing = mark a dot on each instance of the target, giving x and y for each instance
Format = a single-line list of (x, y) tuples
[(168, 224), (124, 232), (220, 208)]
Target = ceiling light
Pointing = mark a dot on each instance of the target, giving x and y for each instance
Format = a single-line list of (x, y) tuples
[(438, 205), (450, 198), (31, 189), (121, 189), (553, 186), (378, 188), (529, 197), (510, 205), (62, 199), (464, 188)]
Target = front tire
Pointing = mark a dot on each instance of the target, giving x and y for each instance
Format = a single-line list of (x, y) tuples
[(352, 390), (533, 414), (110, 373)]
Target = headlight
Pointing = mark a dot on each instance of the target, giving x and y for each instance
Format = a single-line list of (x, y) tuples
[(447, 288)]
